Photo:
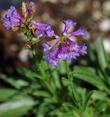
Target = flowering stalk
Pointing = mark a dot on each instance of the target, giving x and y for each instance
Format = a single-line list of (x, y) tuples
[(64, 47)]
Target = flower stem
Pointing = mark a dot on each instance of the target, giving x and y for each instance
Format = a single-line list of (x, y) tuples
[(72, 86)]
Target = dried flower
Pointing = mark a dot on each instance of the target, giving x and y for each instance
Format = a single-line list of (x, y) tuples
[(28, 10)]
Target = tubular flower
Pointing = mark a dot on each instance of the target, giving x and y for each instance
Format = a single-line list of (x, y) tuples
[(68, 25), (40, 29), (64, 46), (12, 19)]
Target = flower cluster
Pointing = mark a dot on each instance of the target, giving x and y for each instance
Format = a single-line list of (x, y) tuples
[(68, 46), (25, 22), (12, 20)]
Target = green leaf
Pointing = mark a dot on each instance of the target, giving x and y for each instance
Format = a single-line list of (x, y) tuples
[(41, 94), (88, 74), (101, 106), (91, 53), (13, 82), (105, 115), (86, 100), (42, 109), (99, 95), (65, 82), (69, 114), (6, 93), (16, 108), (62, 67), (28, 73), (56, 79), (101, 54)]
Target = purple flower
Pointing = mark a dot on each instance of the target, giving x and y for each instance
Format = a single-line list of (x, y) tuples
[(52, 57), (68, 50), (11, 19), (65, 48), (40, 30)]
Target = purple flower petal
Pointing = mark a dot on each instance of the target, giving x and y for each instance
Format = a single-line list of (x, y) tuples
[(7, 25), (68, 25), (52, 57), (42, 27), (43, 30), (69, 51), (79, 32), (46, 47), (49, 33), (83, 49)]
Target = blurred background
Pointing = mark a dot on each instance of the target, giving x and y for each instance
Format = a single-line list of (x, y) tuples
[(94, 15)]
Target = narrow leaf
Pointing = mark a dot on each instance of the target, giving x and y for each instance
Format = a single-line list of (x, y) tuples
[(101, 54), (89, 75), (6, 93), (16, 108)]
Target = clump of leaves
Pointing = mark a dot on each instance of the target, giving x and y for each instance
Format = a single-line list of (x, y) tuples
[(65, 91)]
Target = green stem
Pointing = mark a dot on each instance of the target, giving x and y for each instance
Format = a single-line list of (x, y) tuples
[(72, 86), (47, 83)]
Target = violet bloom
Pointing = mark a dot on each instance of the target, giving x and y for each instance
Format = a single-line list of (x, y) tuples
[(11, 19), (40, 30), (66, 51), (69, 24), (52, 57), (66, 48)]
